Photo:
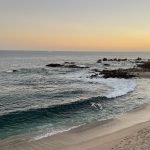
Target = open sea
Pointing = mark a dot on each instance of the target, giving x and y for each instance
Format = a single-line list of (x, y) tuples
[(38, 101)]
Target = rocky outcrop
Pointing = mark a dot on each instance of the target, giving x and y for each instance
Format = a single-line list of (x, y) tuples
[(54, 65), (105, 59), (114, 59), (138, 59), (95, 75), (107, 65), (99, 61), (65, 65), (119, 73), (14, 70), (74, 66), (145, 65)]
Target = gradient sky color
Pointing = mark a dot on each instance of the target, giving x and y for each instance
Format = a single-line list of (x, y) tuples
[(75, 24)]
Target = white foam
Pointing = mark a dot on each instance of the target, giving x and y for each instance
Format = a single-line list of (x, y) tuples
[(119, 87), (9, 71), (97, 105), (55, 132)]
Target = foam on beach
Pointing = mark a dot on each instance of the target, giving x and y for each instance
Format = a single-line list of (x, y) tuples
[(55, 132)]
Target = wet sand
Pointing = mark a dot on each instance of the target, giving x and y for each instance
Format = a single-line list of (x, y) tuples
[(129, 131)]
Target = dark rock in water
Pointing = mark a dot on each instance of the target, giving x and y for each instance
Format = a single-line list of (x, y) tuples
[(66, 65), (72, 66), (75, 66), (114, 59), (105, 59), (138, 59), (14, 70), (120, 73), (54, 65), (119, 59), (99, 61), (94, 76), (145, 65), (107, 65)]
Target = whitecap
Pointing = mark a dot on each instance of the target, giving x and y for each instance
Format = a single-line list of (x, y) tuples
[(119, 86)]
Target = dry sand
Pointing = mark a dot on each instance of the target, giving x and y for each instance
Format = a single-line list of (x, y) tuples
[(127, 132)]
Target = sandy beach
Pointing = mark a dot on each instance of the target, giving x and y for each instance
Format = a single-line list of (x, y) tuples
[(129, 131)]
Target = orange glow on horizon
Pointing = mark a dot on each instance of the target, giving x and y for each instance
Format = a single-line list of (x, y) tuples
[(79, 37), (78, 42)]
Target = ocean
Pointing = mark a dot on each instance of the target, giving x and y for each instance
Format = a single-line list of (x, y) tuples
[(38, 101)]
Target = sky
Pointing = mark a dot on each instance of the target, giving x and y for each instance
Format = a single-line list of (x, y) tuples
[(75, 25)]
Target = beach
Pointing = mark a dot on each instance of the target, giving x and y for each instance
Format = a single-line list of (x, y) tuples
[(74, 104), (129, 131)]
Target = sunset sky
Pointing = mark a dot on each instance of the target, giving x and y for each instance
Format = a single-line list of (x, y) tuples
[(75, 24)]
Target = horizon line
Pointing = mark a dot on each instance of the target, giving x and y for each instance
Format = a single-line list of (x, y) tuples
[(79, 50)]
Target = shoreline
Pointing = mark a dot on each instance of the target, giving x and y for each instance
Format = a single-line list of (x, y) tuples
[(128, 131), (90, 136)]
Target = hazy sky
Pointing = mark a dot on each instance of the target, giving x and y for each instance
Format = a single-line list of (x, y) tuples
[(74, 24)]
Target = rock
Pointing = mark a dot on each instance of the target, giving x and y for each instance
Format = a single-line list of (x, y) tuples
[(54, 65), (65, 65), (145, 65), (124, 59), (99, 61), (14, 70), (72, 66), (107, 65), (105, 59), (94, 76), (120, 73), (138, 59), (115, 59)]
